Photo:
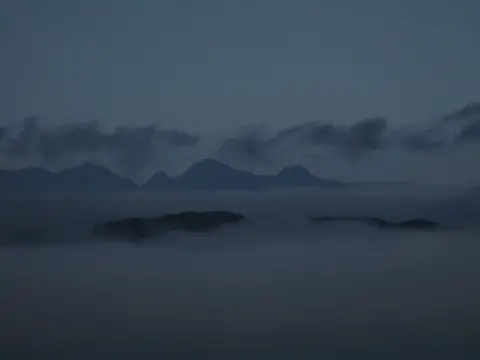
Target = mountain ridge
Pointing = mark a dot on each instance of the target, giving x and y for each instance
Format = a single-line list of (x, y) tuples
[(207, 174), (87, 177), (210, 174)]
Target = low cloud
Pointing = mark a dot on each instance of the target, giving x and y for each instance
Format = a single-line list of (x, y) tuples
[(139, 151), (355, 141), (129, 150)]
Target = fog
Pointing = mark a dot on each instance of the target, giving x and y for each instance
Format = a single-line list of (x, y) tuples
[(275, 286)]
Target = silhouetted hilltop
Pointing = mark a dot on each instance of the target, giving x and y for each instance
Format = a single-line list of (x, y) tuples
[(160, 181), (135, 229), (298, 176), (206, 175), (413, 224), (213, 175), (92, 177), (84, 178)]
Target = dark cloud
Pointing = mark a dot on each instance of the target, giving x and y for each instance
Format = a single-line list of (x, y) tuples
[(460, 126), (469, 113), (355, 141), (423, 140), (366, 135), (130, 149), (470, 132), (250, 144), (142, 150), (469, 118), (310, 133)]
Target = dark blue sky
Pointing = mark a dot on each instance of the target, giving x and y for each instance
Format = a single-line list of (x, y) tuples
[(205, 65), (214, 66)]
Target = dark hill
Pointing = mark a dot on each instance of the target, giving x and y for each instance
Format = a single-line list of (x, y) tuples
[(91, 177), (135, 229), (298, 176), (160, 181), (85, 178), (206, 175), (413, 224), (213, 175)]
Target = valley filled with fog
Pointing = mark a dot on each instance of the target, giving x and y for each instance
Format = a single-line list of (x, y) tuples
[(275, 285)]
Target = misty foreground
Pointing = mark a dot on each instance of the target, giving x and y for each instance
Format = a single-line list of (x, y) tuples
[(137, 229), (277, 287)]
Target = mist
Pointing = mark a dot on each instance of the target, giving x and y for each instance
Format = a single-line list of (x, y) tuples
[(275, 286), (372, 149)]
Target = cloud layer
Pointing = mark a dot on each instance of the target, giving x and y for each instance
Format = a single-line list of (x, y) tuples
[(129, 150), (133, 151), (355, 141)]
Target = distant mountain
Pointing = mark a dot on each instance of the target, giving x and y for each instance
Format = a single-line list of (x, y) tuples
[(298, 176), (84, 178), (206, 175), (160, 181), (92, 177), (213, 175)]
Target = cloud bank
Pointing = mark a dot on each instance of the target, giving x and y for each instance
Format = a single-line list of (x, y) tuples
[(128, 150), (138, 151), (360, 139)]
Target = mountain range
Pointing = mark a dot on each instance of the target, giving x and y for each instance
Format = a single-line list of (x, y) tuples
[(84, 178), (207, 175)]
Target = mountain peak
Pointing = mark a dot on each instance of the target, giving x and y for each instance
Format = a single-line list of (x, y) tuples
[(159, 180), (210, 174), (209, 166), (86, 177), (294, 170)]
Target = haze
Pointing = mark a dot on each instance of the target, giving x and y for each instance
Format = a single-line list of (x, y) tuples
[(213, 68), (274, 286), (380, 96)]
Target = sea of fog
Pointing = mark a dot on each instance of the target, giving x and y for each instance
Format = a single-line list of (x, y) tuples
[(274, 287)]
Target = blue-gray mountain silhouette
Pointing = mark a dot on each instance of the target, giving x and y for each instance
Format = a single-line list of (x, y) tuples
[(213, 175), (206, 175), (160, 180), (88, 177), (298, 176)]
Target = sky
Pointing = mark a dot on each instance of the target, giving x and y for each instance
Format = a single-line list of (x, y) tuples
[(210, 68)]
